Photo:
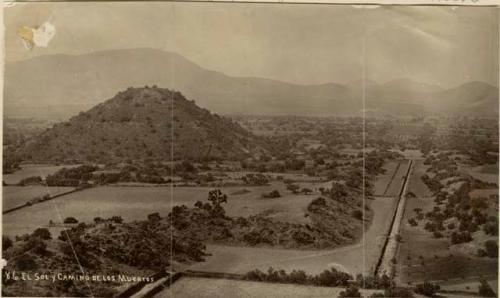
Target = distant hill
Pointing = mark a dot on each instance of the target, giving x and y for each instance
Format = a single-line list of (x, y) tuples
[(57, 86), (139, 124)]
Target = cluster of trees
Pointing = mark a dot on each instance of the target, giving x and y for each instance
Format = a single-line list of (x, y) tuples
[(490, 249), (427, 289), (335, 278), (33, 180), (471, 214), (327, 278), (113, 219), (27, 251), (11, 163), (255, 179), (71, 177)]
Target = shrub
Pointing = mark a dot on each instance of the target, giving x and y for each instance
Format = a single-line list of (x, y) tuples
[(358, 214), (429, 226), (351, 291), (491, 228), (437, 234), (428, 289), (116, 219), (412, 222), (298, 277), (42, 233), (271, 195), (154, 217), (457, 238), (306, 190), (294, 188), (26, 262), (332, 278), (35, 245)]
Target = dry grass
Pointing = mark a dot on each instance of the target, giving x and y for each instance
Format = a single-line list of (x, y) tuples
[(481, 173), (356, 258)]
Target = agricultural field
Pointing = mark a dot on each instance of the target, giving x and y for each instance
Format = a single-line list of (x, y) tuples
[(124, 201), (487, 173), (13, 196), (132, 203), (30, 170), (396, 183), (356, 258), (209, 287), (383, 181), (416, 185)]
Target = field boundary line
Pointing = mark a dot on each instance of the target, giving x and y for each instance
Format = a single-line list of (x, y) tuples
[(28, 204)]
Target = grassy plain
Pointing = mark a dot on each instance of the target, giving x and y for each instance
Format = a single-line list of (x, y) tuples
[(135, 203), (208, 287)]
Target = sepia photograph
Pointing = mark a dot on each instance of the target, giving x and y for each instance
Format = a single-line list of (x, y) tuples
[(209, 149)]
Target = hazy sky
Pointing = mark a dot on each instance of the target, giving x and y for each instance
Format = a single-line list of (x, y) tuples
[(305, 44)]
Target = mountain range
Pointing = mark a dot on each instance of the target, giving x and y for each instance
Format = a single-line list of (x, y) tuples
[(58, 86)]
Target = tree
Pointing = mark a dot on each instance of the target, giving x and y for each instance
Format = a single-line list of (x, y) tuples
[(42, 233), (216, 197), (70, 220), (271, 195), (358, 214), (6, 243), (491, 248), (351, 291), (154, 217), (412, 222)]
